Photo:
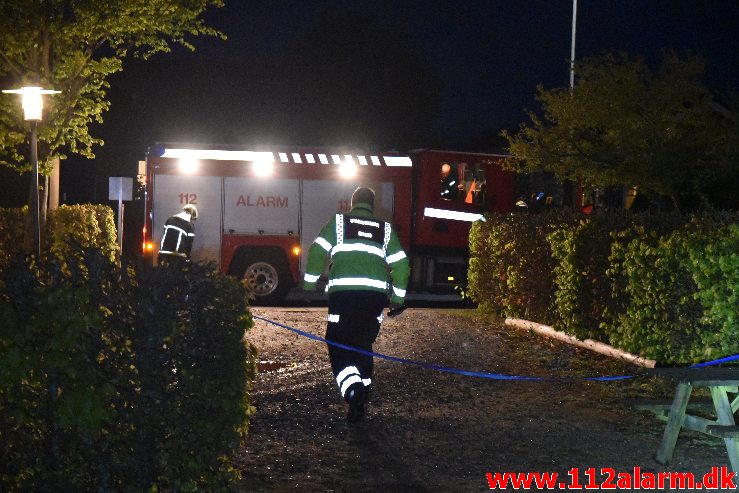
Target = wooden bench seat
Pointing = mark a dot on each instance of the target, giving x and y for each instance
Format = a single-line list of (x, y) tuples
[(723, 431), (665, 404)]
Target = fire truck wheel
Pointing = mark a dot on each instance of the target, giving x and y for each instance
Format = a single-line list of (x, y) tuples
[(267, 278)]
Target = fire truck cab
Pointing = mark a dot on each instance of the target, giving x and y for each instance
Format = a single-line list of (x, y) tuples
[(259, 209)]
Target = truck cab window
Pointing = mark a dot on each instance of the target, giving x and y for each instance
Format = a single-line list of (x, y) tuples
[(475, 186), (450, 183), (463, 183)]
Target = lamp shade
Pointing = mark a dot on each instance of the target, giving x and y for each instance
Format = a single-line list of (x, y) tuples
[(33, 101)]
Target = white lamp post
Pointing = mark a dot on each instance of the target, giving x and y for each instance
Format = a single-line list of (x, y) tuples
[(33, 105)]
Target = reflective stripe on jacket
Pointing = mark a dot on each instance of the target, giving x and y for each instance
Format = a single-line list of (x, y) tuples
[(365, 254)]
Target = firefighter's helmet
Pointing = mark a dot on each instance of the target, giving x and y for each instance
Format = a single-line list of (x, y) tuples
[(192, 210), (363, 195)]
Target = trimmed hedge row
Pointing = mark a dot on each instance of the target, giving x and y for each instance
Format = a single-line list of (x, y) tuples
[(12, 226), (662, 286), (86, 225), (511, 263), (117, 380)]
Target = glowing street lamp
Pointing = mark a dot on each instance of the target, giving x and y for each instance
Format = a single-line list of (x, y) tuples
[(33, 105)]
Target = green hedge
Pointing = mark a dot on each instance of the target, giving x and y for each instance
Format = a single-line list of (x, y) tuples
[(582, 249), (12, 226), (657, 285), (680, 291), (86, 225), (578, 252), (511, 264), (715, 268), (116, 380)]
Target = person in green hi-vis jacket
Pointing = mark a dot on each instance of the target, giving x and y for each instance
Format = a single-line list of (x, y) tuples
[(368, 269)]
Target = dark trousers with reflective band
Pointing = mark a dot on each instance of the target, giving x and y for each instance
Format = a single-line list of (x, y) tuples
[(354, 320)]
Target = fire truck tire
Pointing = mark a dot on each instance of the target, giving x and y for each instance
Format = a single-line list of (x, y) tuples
[(267, 275)]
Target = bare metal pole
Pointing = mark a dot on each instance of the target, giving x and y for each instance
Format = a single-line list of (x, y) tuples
[(120, 216), (572, 52), (34, 192)]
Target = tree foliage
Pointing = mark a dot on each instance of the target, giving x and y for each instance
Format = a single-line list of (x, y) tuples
[(74, 46), (625, 124)]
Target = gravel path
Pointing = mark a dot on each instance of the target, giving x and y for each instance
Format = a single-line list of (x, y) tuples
[(433, 431)]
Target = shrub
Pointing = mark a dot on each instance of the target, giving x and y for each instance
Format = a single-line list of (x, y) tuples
[(715, 268), (191, 323), (510, 270), (86, 225), (640, 227), (662, 286), (581, 289), (674, 288), (12, 226), (112, 379)]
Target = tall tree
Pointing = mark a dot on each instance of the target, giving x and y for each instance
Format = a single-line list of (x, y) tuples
[(624, 124), (74, 46)]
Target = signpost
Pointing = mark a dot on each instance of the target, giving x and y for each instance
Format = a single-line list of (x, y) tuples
[(120, 188)]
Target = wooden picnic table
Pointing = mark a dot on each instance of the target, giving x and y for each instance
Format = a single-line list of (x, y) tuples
[(720, 382)]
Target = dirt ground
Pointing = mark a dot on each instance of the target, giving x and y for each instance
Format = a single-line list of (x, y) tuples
[(427, 430)]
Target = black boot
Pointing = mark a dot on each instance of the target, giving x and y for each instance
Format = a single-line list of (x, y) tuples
[(356, 397)]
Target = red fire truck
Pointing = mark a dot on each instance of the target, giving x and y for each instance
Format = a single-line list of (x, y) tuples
[(260, 209)]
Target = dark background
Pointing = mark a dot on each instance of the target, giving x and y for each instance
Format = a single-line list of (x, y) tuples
[(397, 74)]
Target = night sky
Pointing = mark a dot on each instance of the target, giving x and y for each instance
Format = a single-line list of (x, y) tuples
[(399, 74)]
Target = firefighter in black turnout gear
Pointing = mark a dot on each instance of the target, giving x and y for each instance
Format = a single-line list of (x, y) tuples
[(368, 266), (179, 234)]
